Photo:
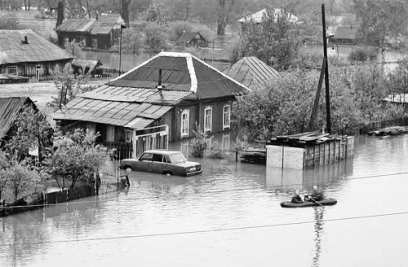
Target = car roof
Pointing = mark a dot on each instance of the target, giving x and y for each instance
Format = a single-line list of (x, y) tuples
[(163, 152)]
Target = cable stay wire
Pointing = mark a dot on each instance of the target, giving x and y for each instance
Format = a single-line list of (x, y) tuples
[(268, 189), (212, 230)]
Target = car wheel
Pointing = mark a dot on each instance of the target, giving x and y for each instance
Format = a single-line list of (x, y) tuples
[(128, 169), (167, 173)]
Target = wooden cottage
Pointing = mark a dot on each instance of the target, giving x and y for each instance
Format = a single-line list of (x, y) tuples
[(25, 53), (253, 73), (344, 35), (162, 100), (192, 39), (100, 33)]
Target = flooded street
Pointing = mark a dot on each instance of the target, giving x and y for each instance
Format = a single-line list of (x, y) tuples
[(229, 216)]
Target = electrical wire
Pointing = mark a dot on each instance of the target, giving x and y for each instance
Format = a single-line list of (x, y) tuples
[(213, 230), (97, 200)]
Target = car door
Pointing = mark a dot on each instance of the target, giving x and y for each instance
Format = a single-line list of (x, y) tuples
[(157, 163), (145, 162)]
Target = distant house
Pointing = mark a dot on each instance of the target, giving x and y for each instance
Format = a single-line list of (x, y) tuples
[(344, 35), (194, 39), (100, 33), (86, 67), (10, 108), (253, 73), (25, 53), (159, 101), (258, 17)]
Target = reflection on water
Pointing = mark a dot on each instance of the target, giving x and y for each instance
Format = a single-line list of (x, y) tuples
[(285, 180), (318, 229)]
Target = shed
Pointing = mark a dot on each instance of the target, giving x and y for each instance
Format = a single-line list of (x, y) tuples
[(344, 35), (253, 73)]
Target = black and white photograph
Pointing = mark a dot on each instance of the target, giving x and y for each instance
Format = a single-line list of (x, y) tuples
[(203, 133)]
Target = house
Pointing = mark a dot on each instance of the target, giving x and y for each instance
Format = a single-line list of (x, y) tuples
[(98, 33), (25, 53), (160, 101), (253, 73), (344, 35), (194, 39), (259, 16), (10, 107)]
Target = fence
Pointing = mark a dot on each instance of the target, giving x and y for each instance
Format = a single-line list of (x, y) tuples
[(382, 124)]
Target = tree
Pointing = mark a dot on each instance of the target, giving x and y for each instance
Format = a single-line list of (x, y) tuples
[(275, 41), (223, 12), (31, 130), (19, 179), (8, 23), (76, 158), (125, 11), (155, 37), (381, 19)]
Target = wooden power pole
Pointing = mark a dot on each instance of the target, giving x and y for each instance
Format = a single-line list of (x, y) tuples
[(326, 72)]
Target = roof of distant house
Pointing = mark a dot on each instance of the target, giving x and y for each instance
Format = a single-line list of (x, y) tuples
[(253, 73), (14, 49), (134, 99), (103, 25), (259, 16), (188, 36), (10, 107)]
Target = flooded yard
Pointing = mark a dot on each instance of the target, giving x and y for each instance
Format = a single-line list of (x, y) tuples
[(229, 216)]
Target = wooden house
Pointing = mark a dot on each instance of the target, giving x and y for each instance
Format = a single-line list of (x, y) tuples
[(253, 73), (97, 33), (258, 17), (162, 100), (192, 39), (344, 35), (25, 53)]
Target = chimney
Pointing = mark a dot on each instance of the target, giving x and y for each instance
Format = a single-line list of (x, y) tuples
[(25, 41)]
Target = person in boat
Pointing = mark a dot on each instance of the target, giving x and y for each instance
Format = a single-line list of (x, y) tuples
[(317, 195), (297, 198)]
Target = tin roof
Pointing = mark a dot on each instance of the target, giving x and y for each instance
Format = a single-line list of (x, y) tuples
[(253, 73), (13, 49), (103, 25), (259, 16), (181, 72), (116, 113)]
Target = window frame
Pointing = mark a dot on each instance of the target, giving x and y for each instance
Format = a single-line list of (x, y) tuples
[(12, 67), (224, 126), (145, 154), (208, 128), (187, 121)]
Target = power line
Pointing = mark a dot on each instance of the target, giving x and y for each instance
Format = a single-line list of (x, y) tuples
[(206, 192), (203, 231)]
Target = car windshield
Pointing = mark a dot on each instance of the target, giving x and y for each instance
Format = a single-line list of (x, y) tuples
[(177, 158)]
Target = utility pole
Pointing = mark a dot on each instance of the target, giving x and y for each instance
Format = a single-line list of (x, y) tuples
[(326, 72), (120, 50)]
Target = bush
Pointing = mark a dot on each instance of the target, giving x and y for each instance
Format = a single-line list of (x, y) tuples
[(198, 143), (215, 152), (362, 54), (155, 38)]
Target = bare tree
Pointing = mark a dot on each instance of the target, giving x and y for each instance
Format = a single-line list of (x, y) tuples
[(125, 11), (223, 11)]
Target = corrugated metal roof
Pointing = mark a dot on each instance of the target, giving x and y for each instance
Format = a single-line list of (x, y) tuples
[(103, 25), (139, 123), (345, 32), (10, 107), (136, 95), (38, 49), (177, 74), (109, 112), (253, 73), (76, 25)]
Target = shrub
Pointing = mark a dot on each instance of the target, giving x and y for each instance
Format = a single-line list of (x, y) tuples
[(155, 38), (362, 54), (215, 152), (198, 143)]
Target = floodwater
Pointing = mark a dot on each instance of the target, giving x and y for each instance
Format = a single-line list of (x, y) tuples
[(229, 216)]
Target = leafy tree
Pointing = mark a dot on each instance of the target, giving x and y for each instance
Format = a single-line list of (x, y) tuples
[(155, 38), (76, 158), (30, 130), (274, 41), (132, 41)]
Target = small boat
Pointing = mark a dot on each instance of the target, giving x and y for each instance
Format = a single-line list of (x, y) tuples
[(304, 204)]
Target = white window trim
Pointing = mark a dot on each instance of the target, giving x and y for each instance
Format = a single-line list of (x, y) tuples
[(207, 128), (185, 112), (224, 126)]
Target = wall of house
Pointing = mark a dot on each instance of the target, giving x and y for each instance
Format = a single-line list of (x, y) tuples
[(30, 69), (63, 37)]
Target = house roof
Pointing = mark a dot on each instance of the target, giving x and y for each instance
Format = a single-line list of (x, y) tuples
[(10, 107), (345, 32), (253, 72), (259, 16), (133, 99), (119, 113), (188, 36), (103, 25), (181, 72), (38, 49)]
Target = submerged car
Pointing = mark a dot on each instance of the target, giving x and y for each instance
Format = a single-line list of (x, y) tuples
[(163, 161)]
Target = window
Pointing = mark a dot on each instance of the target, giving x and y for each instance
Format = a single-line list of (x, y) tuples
[(12, 70), (226, 118), (208, 119), (157, 157), (185, 119), (146, 157), (110, 133)]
